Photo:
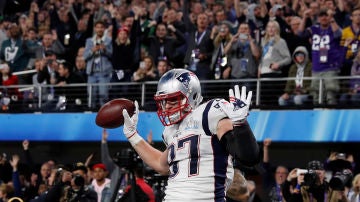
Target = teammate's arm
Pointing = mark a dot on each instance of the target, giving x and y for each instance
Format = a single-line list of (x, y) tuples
[(235, 133), (156, 159)]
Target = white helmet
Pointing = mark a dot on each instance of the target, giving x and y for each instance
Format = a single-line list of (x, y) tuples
[(181, 87)]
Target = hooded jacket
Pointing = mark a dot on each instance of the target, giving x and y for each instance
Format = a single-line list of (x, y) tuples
[(307, 69)]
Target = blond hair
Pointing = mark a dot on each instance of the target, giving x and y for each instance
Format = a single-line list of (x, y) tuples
[(277, 33)]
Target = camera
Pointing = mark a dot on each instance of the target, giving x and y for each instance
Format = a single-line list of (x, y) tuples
[(128, 159), (243, 37), (341, 156), (301, 171), (78, 180), (341, 180), (310, 178)]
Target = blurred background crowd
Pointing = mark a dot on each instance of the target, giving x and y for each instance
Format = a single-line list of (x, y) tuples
[(298, 48)]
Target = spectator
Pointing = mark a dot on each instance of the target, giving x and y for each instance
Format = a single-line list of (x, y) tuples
[(306, 188), (5, 169), (162, 68), (50, 42), (100, 183), (272, 182), (327, 55), (74, 96), (243, 53), (80, 67), (219, 61), (292, 38), (258, 19), (3, 30), (14, 52), (48, 75), (161, 46), (351, 32), (6, 192), (146, 71), (14, 162), (238, 190), (10, 97), (97, 54), (84, 31), (200, 49), (68, 187), (297, 91), (354, 193), (80, 183), (173, 20), (32, 43), (337, 10), (352, 97), (81, 169), (117, 179), (124, 46), (275, 57), (179, 54)]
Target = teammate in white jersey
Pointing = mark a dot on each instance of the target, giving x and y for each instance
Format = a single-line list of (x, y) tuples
[(202, 139)]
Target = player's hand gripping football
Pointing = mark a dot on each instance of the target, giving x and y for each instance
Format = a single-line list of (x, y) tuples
[(130, 123), (239, 105)]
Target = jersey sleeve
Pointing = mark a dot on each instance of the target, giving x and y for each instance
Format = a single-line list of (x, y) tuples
[(216, 113)]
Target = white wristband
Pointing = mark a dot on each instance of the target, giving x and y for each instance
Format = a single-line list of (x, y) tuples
[(135, 139)]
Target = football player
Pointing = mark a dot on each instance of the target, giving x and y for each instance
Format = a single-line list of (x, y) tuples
[(202, 140)]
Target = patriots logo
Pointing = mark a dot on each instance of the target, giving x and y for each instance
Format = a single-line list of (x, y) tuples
[(184, 78), (238, 104)]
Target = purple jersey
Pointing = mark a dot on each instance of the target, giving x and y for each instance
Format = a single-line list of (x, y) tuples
[(326, 49)]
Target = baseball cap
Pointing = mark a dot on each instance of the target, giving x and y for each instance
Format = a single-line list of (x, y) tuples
[(99, 165), (123, 28)]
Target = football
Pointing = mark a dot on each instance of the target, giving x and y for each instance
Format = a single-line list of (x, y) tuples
[(110, 114)]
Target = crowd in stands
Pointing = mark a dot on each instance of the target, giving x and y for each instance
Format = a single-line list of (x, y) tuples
[(134, 41)]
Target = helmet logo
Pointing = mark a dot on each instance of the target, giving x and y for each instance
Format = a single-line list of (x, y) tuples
[(184, 78)]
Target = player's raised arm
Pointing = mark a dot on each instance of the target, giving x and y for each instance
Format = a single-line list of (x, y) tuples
[(239, 141), (151, 156)]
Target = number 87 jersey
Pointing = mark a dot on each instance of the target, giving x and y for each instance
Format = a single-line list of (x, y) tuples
[(200, 167)]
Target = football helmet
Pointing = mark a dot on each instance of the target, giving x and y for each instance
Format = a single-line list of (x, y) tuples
[(178, 93)]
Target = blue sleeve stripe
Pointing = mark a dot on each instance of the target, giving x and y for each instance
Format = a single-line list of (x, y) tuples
[(205, 120), (220, 168)]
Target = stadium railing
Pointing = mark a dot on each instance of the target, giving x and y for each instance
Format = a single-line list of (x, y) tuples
[(144, 92)]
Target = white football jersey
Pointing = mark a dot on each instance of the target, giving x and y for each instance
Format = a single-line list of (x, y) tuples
[(200, 167)]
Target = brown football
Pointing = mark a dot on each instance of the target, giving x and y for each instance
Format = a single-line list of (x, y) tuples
[(110, 114)]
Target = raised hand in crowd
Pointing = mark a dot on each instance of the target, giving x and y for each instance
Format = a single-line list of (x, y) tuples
[(104, 136), (89, 159), (14, 162), (25, 144)]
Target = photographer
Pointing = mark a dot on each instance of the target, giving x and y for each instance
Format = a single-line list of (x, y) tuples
[(120, 168), (70, 188), (306, 184)]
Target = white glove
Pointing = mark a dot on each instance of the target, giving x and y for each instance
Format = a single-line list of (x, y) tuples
[(130, 125), (238, 109)]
